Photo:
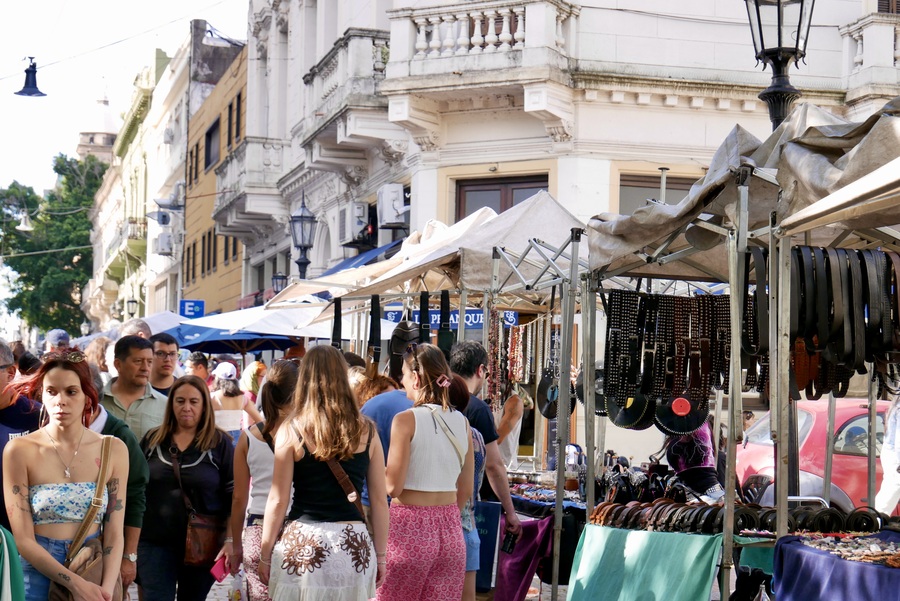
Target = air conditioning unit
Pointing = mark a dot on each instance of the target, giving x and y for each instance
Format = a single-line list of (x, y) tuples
[(393, 213), (164, 244), (353, 223)]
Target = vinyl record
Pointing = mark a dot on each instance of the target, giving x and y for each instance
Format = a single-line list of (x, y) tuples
[(677, 416), (548, 395), (599, 398), (636, 414)]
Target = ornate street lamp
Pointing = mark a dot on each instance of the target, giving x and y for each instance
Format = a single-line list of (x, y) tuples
[(303, 230), (85, 327), (279, 282), (780, 30), (132, 307)]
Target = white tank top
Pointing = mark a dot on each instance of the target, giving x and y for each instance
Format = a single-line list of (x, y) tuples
[(261, 461), (433, 460), (509, 448)]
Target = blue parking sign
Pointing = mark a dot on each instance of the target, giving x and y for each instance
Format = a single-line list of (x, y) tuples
[(192, 308)]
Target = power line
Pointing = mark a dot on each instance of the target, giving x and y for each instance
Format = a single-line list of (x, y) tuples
[(44, 252)]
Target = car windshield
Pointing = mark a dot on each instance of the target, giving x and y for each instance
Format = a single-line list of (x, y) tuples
[(759, 432)]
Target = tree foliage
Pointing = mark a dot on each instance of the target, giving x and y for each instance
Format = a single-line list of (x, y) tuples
[(46, 286)]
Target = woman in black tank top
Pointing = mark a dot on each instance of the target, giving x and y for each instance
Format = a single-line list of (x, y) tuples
[(327, 453)]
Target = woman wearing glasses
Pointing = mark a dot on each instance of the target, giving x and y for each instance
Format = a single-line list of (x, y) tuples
[(50, 479), (430, 476)]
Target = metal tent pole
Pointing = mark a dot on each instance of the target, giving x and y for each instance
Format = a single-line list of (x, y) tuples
[(829, 450), (562, 405), (778, 367), (873, 415), (735, 244), (588, 337)]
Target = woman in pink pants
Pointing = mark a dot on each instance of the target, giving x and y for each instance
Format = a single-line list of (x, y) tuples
[(430, 475)]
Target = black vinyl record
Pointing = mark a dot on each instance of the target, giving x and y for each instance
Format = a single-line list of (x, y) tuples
[(678, 415), (636, 414), (599, 398)]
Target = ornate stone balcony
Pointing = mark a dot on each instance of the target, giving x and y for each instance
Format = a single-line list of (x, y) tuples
[(871, 49), (466, 55), (249, 203)]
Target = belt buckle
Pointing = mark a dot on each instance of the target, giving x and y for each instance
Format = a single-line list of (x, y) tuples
[(97, 502)]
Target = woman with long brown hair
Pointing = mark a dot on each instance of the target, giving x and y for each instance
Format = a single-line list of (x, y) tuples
[(204, 456), (325, 551), (430, 476), (49, 481), (254, 461)]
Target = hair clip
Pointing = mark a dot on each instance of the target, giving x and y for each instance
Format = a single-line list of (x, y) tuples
[(443, 381)]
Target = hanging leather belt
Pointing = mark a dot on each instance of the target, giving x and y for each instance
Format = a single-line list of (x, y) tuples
[(648, 366), (857, 354), (721, 358)]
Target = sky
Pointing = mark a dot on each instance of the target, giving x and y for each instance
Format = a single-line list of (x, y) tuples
[(85, 50)]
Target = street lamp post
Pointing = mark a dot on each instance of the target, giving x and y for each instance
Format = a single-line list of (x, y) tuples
[(279, 282), (132, 307), (303, 230), (780, 30)]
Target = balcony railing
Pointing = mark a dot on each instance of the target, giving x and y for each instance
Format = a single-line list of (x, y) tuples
[(351, 68), (475, 28)]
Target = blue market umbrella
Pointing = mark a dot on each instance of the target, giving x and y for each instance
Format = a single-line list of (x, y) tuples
[(213, 340)]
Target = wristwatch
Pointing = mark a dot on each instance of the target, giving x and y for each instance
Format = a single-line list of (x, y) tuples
[(132, 557)]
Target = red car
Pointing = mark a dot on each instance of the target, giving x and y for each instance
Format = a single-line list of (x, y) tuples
[(755, 458)]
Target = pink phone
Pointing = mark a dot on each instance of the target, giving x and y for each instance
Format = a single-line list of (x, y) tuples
[(218, 570)]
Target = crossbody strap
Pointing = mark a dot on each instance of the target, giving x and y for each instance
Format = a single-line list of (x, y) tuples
[(266, 436), (350, 490), (459, 452), (177, 469), (96, 501)]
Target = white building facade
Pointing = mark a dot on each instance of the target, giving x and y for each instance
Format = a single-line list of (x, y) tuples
[(587, 100)]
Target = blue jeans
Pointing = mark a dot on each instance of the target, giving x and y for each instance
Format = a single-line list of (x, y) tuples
[(161, 569), (473, 550), (37, 586)]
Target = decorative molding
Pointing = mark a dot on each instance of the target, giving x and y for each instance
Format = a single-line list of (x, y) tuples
[(392, 151), (554, 106), (420, 116)]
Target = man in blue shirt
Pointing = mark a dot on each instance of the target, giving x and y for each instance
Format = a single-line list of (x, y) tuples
[(468, 359), (18, 415)]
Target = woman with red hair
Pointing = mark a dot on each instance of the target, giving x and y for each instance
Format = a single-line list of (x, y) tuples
[(50, 476)]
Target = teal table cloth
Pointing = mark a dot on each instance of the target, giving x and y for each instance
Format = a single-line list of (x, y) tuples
[(762, 557), (612, 564)]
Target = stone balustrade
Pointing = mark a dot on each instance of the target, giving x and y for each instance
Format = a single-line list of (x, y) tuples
[(474, 28)]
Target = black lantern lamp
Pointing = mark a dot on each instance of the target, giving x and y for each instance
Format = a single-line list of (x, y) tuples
[(303, 229), (30, 88), (780, 31), (132, 307), (279, 282), (85, 327)]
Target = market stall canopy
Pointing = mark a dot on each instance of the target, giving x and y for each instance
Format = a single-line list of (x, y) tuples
[(162, 321), (466, 261), (435, 235), (812, 154), (214, 340), (298, 320)]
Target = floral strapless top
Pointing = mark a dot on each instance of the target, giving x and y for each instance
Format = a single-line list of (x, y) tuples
[(60, 503)]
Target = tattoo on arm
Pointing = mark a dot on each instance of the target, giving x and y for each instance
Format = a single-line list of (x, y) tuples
[(107, 550), (64, 577), (21, 497), (115, 503)]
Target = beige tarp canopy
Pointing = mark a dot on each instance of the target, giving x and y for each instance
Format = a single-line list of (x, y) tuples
[(811, 155), (465, 261)]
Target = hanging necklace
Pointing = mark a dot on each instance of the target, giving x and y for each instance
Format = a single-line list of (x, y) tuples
[(67, 472)]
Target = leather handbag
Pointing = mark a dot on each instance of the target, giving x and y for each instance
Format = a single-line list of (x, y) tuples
[(85, 558), (205, 533)]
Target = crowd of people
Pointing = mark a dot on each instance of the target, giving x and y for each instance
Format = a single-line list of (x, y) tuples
[(327, 482)]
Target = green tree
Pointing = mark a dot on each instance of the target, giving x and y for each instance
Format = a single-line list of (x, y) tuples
[(47, 280)]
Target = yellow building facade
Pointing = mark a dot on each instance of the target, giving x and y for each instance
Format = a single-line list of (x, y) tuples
[(211, 269)]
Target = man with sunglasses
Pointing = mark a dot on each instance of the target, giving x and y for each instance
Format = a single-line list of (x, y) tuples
[(468, 359), (165, 360)]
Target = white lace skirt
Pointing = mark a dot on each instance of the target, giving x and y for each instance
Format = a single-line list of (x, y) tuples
[(323, 562)]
